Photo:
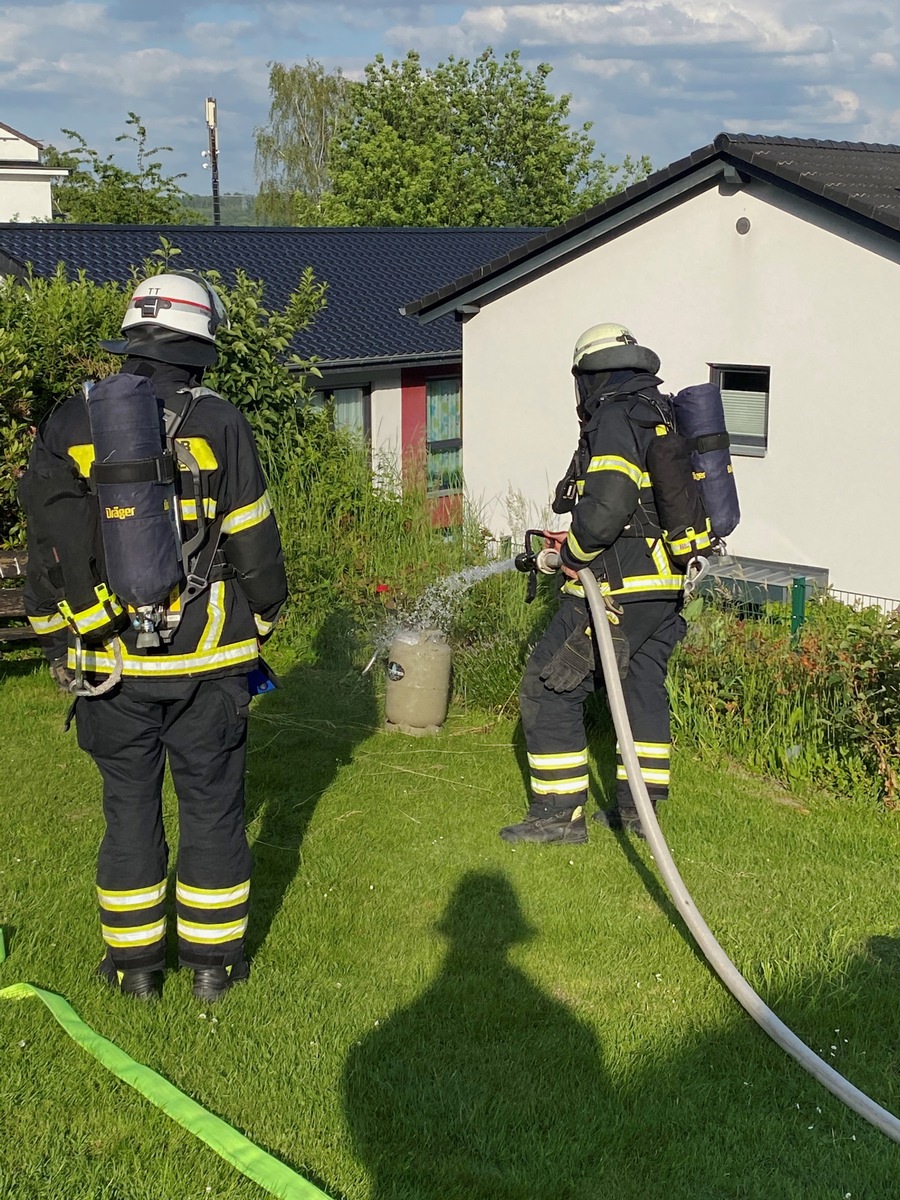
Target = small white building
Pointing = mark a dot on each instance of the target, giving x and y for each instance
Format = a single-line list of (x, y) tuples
[(770, 265), (24, 181)]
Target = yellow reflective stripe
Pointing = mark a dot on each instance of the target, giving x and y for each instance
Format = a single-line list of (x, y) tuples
[(44, 625), (187, 664), (189, 508), (651, 583), (138, 898), (84, 457), (556, 762), (648, 774), (212, 897), (215, 621), (97, 615), (615, 462), (646, 481), (248, 516), (138, 935), (562, 787), (659, 556), (263, 627), (651, 775), (691, 541), (574, 547), (229, 932), (202, 452), (652, 749)]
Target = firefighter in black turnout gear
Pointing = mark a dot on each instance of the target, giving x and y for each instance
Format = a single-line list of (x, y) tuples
[(616, 532), (174, 686)]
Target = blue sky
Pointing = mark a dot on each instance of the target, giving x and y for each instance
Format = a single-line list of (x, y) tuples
[(657, 77)]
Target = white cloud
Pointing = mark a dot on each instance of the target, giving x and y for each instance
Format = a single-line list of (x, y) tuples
[(754, 24), (655, 76)]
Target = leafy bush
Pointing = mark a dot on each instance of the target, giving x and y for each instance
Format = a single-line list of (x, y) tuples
[(50, 330), (359, 554), (825, 711)]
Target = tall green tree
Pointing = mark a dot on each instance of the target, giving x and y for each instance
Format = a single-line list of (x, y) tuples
[(307, 103), (481, 142), (100, 191)]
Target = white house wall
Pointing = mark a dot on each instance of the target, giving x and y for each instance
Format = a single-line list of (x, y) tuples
[(386, 411), (387, 398), (803, 293), (24, 196)]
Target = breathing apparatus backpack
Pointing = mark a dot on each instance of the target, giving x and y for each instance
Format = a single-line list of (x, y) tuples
[(690, 467), (693, 479), (116, 544)]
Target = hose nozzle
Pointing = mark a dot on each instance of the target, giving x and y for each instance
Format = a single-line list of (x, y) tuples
[(532, 561)]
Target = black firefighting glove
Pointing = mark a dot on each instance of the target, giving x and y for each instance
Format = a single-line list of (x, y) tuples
[(62, 676), (572, 662)]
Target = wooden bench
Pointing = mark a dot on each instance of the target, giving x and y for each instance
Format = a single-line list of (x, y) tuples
[(13, 565)]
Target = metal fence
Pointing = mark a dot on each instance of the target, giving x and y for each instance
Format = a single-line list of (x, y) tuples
[(860, 600)]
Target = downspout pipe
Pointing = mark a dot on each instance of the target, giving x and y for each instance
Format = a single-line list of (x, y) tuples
[(715, 955)]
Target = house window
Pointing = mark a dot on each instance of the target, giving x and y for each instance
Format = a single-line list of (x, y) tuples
[(745, 396), (352, 408), (443, 436)]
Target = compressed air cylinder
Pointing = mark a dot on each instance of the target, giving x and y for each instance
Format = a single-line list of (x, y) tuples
[(417, 693), (136, 500), (700, 419)]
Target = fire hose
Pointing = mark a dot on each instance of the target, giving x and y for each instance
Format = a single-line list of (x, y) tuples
[(715, 955)]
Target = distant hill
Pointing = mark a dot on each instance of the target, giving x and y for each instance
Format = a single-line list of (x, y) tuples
[(236, 208)]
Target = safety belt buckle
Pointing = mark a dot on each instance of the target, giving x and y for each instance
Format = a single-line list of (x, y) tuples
[(194, 585)]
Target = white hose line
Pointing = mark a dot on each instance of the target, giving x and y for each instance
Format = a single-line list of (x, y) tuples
[(715, 955)]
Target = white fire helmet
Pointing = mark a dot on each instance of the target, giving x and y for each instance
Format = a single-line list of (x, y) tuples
[(602, 337), (181, 302)]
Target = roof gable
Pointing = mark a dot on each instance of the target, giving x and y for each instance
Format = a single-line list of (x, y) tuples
[(370, 273), (26, 148), (859, 179)]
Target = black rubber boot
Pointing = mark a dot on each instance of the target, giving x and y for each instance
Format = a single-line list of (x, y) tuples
[(545, 823), (137, 982), (211, 983), (613, 818)]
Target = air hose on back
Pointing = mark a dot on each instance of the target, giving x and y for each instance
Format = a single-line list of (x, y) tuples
[(715, 955)]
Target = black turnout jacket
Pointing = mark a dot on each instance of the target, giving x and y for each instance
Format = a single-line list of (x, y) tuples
[(615, 528)]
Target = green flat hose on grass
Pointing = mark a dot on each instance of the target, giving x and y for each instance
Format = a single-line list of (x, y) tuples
[(240, 1152)]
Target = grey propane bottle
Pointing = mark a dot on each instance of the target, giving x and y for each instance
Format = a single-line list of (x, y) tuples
[(417, 693)]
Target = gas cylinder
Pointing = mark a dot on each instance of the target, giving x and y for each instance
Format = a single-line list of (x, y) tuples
[(417, 693)]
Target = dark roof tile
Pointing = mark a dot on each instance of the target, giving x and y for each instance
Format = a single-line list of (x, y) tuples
[(370, 272)]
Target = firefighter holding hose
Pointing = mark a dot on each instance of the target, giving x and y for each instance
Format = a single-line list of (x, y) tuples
[(155, 572), (623, 493)]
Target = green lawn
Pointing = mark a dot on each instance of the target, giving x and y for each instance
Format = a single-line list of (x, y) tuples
[(435, 1015)]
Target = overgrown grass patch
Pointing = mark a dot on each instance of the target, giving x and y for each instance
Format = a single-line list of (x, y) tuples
[(821, 709), (434, 1014)]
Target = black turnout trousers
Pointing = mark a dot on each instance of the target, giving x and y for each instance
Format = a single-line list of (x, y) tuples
[(200, 727), (553, 722)]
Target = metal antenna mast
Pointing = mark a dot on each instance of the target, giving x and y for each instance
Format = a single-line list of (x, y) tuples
[(212, 154)]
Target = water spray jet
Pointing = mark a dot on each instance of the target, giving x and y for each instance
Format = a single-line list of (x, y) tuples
[(417, 692)]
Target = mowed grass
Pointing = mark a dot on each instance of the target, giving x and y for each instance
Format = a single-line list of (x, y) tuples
[(436, 1015)]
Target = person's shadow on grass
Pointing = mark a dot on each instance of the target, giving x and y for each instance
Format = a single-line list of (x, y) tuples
[(484, 1088), (300, 737)]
